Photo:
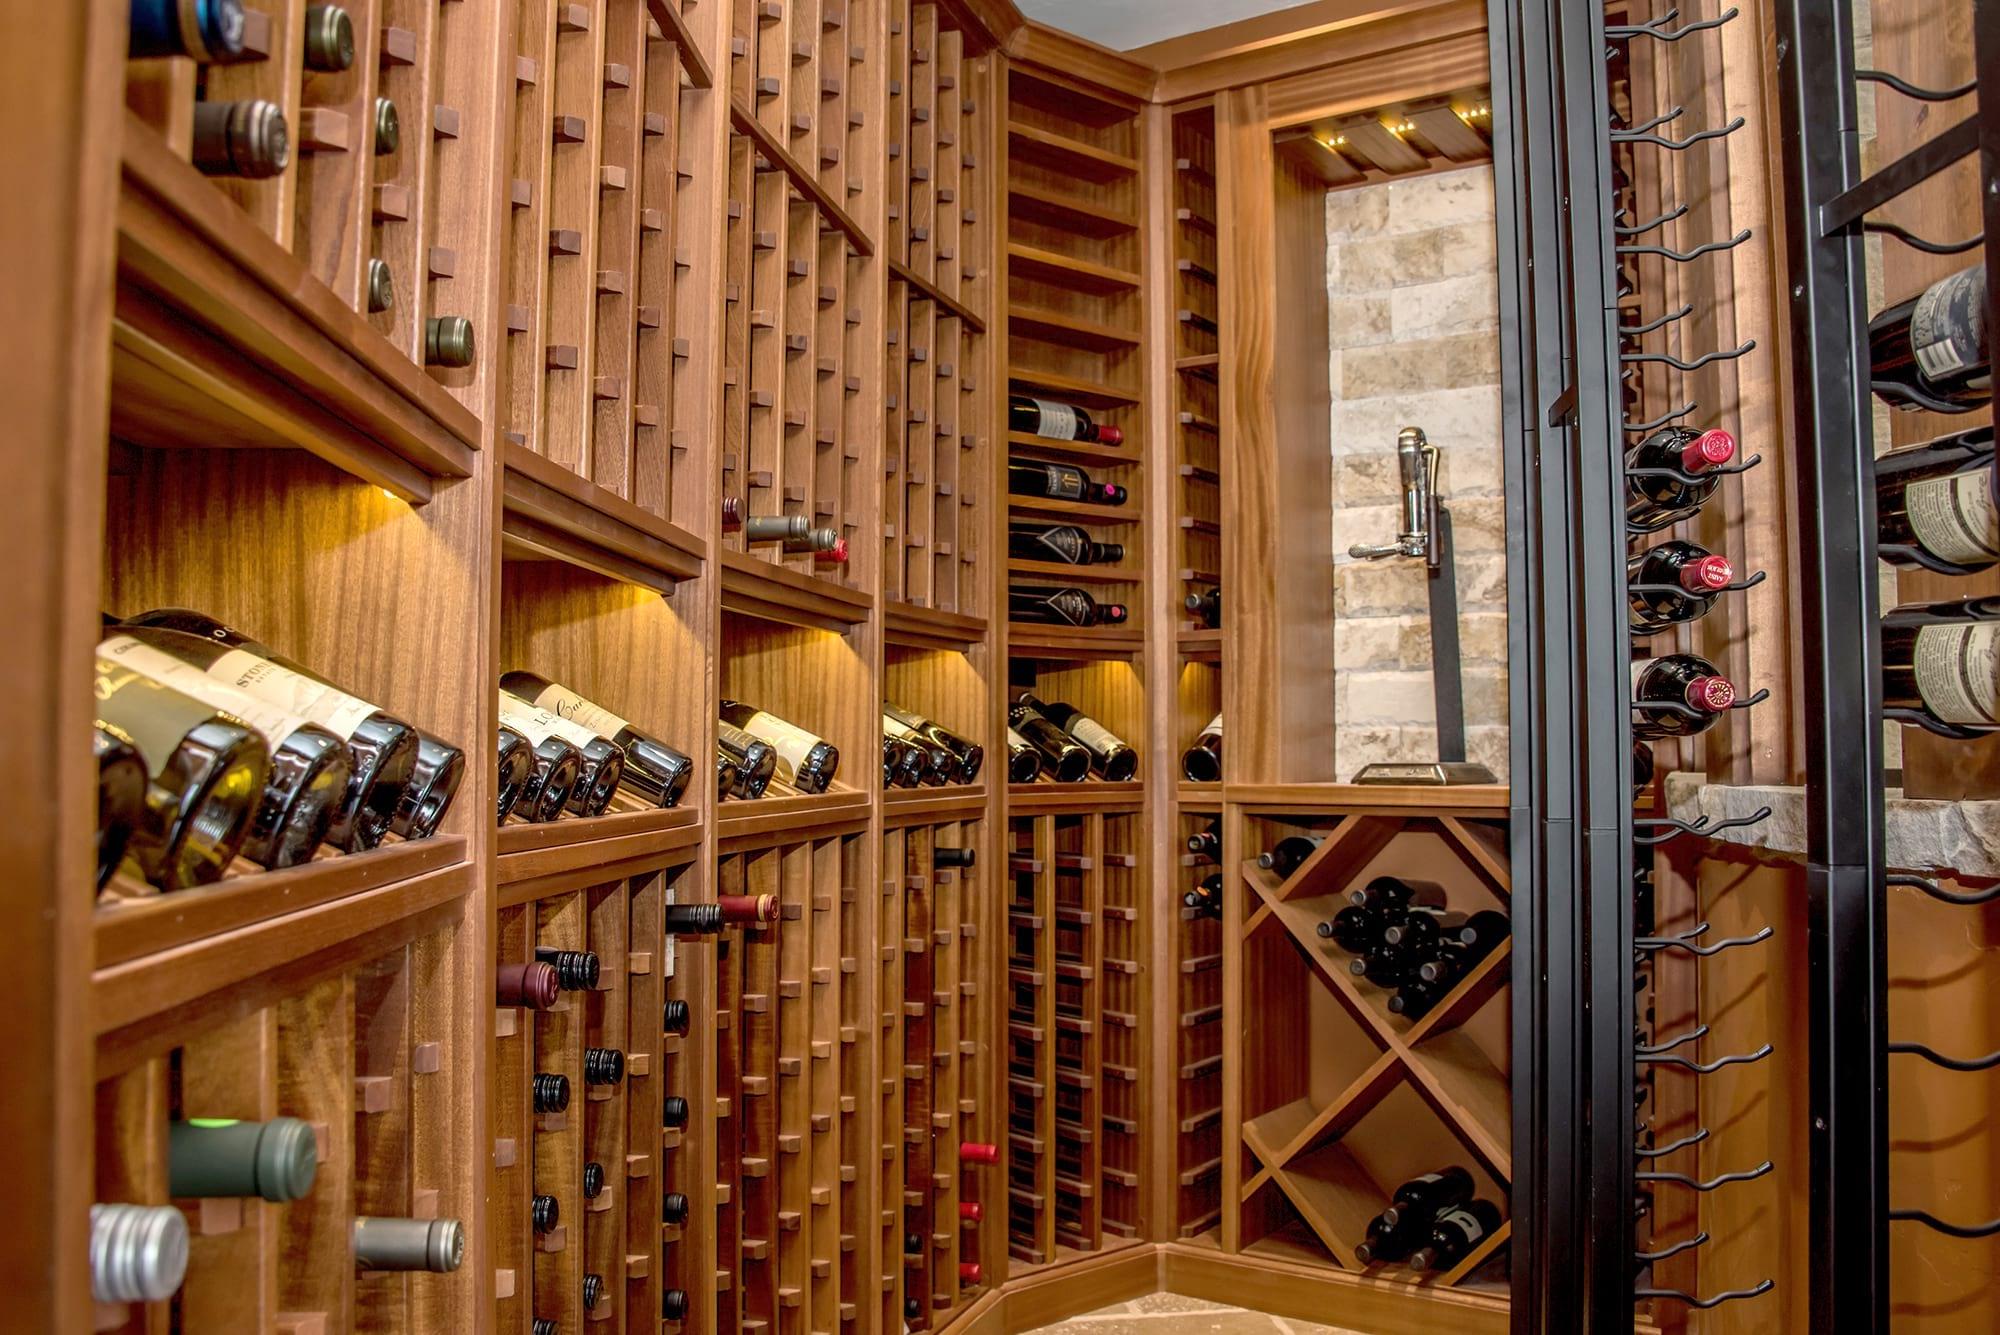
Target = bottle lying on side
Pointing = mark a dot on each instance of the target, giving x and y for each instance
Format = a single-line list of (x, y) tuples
[(653, 769), (806, 762)]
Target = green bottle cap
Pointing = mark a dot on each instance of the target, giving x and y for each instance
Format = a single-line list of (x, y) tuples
[(329, 38), (388, 127), (448, 341), (381, 286), (287, 1159)]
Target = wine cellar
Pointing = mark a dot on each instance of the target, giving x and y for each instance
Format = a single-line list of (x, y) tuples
[(1194, 451)]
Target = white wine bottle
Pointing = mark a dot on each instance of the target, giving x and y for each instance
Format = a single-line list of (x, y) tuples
[(1942, 661), (603, 763), (206, 776), (652, 768), (806, 762)]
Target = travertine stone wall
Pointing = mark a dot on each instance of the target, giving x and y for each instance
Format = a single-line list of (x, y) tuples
[(1413, 287)]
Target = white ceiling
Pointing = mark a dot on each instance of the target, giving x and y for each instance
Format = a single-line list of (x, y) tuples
[(1125, 24)]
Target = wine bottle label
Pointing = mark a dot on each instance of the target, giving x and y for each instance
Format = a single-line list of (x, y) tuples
[(1057, 421), (329, 706), (898, 729), (1466, 1222), (1955, 517), (1016, 740), (562, 701), (239, 706), (1958, 672), (1948, 326), (1094, 735), (1063, 483), (793, 744), (538, 724), (1214, 728), (155, 723)]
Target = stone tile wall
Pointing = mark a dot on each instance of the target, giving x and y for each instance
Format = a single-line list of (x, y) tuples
[(1414, 303)]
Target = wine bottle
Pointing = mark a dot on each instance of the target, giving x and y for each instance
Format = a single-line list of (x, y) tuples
[(248, 139), (725, 775), (971, 1211), (913, 1244), (544, 1213), (1206, 898), (1942, 660), (1392, 895), (1642, 767), (673, 1113), (1111, 759), (550, 1092), (603, 1066), (558, 766), (1065, 544), (1383, 965), (1932, 352), (121, 800), (1654, 502), (381, 286), (448, 342), (805, 761), (1680, 583), (732, 513), (675, 1017), (576, 970), (388, 127), (517, 767), (207, 30), (1693, 693), (218, 1156), (434, 781), (968, 757), (1289, 854), (969, 1272), (1455, 1233), (1938, 498), (946, 858), (753, 761), (1419, 929), (138, 1253), (977, 1153), (329, 39), (673, 1207), (1202, 761), (825, 543), (1388, 1243), (776, 528), (673, 1304), (1057, 421), (929, 764), (436, 1245), (1416, 996), (592, 1184), (534, 985), (603, 767), (309, 767), (383, 748), (1205, 607), (544, 1325), (1061, 607), (903, 765), (593, 1292), (1206, 844), (1354, 929), (1424, 1196), (205, 776), (1060, 482), (1067, 761), (652, 768)]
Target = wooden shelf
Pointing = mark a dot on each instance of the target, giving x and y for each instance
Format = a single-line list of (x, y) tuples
[(1034, 799), (1205, 645), (1059, 573), (1052, 326), (538, 859), (928, 628), (154, 954), (757, 588), (788, 819), (221, 338), (550, 513), (1071, 213), (1063, 155), (910, 806), (1071, 512), (1073, 643), (1072, 451), (1048, 266), (1075, 389)]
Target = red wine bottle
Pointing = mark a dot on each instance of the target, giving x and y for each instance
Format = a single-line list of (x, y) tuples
[(1391, 895), (1111, 759), (1654, 502), (1061, 607), (652, 768), (1206, 844), (1388, 1243), (1202, 761), (1426, 1195), (1206, 897), (1942, 660), (1289, 853), (1700, 692), (1931, 352), (1060, 482), (1205, 607), (1455, 1233), (248, 139), (1065, 544), (1057, 421), (535, 985), (1938, 498), (1354, 929), (1681, 584)]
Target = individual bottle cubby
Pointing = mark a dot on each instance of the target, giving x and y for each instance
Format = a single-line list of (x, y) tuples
[(1109, 693), (1198, 1030), (938, 1177), (592, 1124), (1075, 1025), (945, 687), (358, 1066), (602, 342), (1197, 486), (1075, 336), (811, 680), (590, 649), (1390, 1094), (790, 1154)]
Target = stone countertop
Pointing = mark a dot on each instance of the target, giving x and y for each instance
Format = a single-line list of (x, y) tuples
[(1921, 835)]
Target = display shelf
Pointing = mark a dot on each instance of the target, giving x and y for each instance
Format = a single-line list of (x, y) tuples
[(755, 588), (1064, 155), (928, 628), (1081, 275), (773, 816), (535, 853), (1090, 795), (1073, 643), (1056, 573), (1072, 451), (1073, 512), (550, 513), (1067, 211), (903, 806)]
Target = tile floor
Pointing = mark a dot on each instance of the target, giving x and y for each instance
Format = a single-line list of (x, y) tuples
[(1171, 1314)]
